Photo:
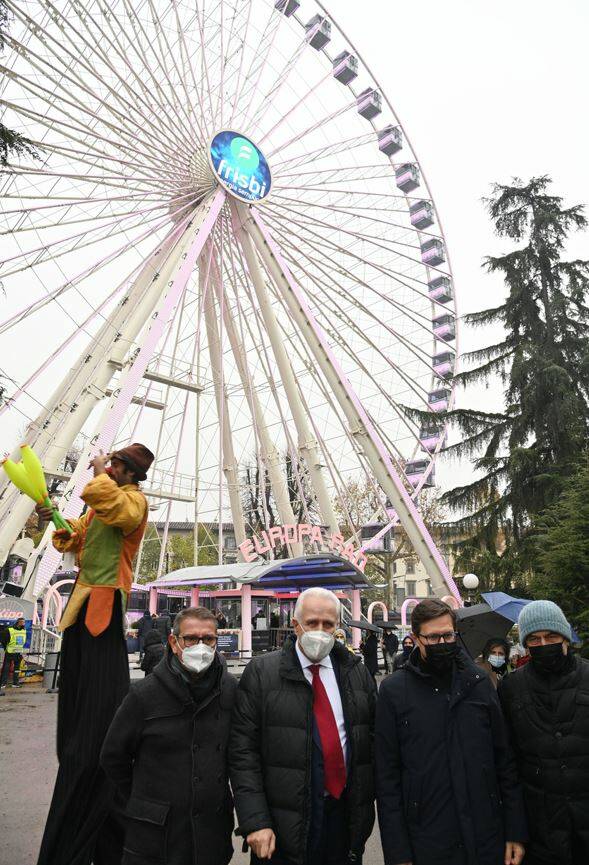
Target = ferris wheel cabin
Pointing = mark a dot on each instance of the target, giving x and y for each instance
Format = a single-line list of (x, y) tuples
[(421, 214), (407, 176), (444, 327), (287, 7), (390, 140), (433, 252), (443, 363), (369, 103), (438, 400), (440, 289), (345, 67), (318, 32), (415, 470)]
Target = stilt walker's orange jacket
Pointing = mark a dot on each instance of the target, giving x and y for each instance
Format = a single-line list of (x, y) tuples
[(106, 540)]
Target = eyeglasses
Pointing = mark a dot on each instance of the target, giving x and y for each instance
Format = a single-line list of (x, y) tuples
[(434, 639), (189, 640), (537, 640)]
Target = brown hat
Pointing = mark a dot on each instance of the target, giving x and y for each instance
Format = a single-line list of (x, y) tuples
[(137, 457)]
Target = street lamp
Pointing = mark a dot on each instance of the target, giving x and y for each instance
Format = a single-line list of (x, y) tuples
[(471, 584)]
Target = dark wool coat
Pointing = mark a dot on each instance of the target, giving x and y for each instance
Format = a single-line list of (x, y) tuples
[(446, 782), (370, 652), (167, 757), (272, 746), (549, 721)]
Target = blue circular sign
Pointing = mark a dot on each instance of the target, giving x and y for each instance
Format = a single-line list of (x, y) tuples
[(240, 166)]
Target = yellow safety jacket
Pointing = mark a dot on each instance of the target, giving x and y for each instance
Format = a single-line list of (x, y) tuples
[(18, 638)]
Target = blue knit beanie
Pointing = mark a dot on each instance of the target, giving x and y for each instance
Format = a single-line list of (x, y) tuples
[(542, 616)]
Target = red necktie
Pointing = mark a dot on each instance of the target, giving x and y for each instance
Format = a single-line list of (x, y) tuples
[(334, 766)]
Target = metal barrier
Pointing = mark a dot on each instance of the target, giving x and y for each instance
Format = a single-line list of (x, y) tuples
[(51, 672)]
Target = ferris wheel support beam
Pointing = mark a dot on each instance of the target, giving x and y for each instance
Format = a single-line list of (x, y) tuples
[(171, 282), (228, 455), (359, 421), (269, 452), (54, 430), (307, 444)]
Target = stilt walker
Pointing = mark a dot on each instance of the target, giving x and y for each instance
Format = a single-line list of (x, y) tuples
[(82, 825)]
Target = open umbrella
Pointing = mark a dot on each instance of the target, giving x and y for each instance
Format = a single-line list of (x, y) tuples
[(366, 626), (480, 623), (510, 607)]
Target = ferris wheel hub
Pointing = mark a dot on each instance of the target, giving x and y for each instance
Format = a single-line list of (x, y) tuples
[(239, 166)]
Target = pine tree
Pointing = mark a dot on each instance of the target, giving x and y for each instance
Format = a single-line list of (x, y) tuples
[(560, 551), (523, 453), (11, 142)]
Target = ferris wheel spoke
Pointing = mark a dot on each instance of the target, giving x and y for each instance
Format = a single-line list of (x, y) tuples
[(52, 255), (300, 137), (92, 270), (335, 229), (187, 65), (324, 152), (349, 322), (300, 102), (49, 123), (343, 253), (122, 113), (135, 94), (164, 117), (252, 78), (326, 287), (161, 35), (22, 214)]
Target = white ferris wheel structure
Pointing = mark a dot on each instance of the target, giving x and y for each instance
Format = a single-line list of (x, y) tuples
[(228, 250)]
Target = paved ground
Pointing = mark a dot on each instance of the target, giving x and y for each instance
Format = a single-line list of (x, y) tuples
[(28, 768)]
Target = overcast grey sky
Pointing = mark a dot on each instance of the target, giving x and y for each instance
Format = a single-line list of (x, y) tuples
[(486, 91)]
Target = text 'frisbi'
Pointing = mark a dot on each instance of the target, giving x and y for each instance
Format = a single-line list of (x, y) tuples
[(240, 167)]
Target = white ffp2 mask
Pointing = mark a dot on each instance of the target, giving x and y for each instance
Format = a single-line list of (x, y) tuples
[(197, 658), (316, 644)]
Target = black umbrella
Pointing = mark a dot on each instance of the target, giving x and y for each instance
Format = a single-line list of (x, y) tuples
[(366, 626), (480, 623)]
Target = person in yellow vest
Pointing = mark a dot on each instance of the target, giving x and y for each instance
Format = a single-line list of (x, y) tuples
[(13, 639), (82, 826)]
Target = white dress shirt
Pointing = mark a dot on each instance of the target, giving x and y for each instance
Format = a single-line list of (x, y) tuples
[(327, 676)]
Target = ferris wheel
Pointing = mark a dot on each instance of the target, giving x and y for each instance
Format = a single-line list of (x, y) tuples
[(228, 250)]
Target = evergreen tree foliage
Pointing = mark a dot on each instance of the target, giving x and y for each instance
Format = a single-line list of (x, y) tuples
[(560, 548), (11, 142), (523, 453)]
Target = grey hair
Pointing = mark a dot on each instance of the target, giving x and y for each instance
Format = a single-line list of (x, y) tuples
[(319, 592)]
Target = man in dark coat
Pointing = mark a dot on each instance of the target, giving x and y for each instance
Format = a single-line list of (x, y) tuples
[(166, 752), (446, 782), (301, 745), (546, 704), (390, 645), (154, 652), (163, 625), (370, 653), (143, 626)]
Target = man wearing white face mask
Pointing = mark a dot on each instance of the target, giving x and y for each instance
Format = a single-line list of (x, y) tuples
[(166, 752), (301, 745)]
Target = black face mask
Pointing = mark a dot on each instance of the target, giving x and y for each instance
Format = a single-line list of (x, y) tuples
[(441, 657), (548, 659), (407, 650)]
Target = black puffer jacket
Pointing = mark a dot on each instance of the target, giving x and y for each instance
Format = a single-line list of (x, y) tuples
[(549, 721), (271, 749), (446, 781), (167, 755)]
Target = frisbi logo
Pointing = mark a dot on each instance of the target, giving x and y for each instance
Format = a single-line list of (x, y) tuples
[(239, 166)]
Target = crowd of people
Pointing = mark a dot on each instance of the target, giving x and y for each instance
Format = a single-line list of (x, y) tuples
[(462, 772), (466, 763)]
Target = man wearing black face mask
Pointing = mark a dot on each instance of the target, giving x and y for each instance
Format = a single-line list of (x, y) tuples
[(446, 783), (546, 704)]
